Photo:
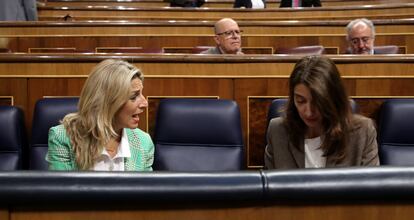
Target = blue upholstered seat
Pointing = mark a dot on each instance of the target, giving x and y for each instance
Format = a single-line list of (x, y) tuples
[(198, 135), (396, 132), (47, 113), (13, 139)]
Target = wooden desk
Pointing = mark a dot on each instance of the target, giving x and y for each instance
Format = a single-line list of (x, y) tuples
[(333, 43), (189, 28), (254, 211), (207, 4), (383, 193), (253, 81), (88, 36), (155, 13)]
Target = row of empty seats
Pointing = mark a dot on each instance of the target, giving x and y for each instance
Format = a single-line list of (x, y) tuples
[(190, 134)]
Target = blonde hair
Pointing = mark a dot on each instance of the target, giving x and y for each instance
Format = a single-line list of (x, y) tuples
[(105, 91)]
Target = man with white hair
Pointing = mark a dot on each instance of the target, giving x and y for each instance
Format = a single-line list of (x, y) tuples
[(361, 36)]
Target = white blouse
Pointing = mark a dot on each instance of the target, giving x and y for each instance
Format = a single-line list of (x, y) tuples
[(257, 4), (106, 163), (313, 153)]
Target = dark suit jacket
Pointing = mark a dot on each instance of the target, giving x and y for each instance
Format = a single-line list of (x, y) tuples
[(186, 3), (18, 10), (305, 3), (362, 148), (245, 3)]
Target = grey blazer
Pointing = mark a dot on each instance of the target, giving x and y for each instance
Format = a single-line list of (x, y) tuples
[(213, 50), (362, 147), (18, 10)]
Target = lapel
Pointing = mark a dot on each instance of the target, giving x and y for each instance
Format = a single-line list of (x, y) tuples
[(299, 154), (131, 163), (330, 162)]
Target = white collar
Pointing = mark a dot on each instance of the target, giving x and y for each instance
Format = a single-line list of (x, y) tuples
[(123, 150)]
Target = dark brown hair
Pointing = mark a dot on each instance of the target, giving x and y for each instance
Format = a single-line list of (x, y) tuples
[(321, 76)]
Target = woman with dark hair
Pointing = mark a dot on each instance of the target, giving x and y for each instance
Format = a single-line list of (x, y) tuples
[(319, 129)]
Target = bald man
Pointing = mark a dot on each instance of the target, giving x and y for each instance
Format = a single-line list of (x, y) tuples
[(360, 36), (227, 38)]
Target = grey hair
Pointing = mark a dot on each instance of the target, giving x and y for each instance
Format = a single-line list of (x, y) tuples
[(351, 25)]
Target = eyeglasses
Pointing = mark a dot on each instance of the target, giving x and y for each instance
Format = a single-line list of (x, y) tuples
[(364, 40), (228, 34)]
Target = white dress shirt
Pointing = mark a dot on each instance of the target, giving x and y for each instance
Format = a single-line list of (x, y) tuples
[(106, 163)]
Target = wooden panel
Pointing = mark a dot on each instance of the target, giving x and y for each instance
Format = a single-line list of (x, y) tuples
[(101, 49), (13, 91), (4, 214), (156, 28), (246, 50), (251, 95), (257, 50), (252, 81), (333, 43), (248, 211), (344, 12), (52, 50)]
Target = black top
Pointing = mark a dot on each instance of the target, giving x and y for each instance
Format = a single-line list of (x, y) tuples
[(305, 3)]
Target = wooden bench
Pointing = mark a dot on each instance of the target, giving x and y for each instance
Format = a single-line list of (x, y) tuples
[(391, 10)]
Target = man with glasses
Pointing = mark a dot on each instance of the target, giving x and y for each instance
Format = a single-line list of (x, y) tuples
[(360, 36), (227, 38)]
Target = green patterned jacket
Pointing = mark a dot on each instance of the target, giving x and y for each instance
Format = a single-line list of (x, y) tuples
[(60, 154)]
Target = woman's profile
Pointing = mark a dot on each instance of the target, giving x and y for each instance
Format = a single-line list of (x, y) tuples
[(104, 134)]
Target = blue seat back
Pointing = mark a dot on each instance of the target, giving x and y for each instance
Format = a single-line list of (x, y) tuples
[(198, 135), (396, 132), (47, 113), (13, 139)]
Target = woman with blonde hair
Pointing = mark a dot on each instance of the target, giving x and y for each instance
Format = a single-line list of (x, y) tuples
[(104, 134), (319, 129)]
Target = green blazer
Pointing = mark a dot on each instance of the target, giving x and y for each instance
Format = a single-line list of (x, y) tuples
[(60, 154)]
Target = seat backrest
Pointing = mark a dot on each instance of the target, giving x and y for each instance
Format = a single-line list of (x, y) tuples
[(47, 113), (396, 132), (198, 135), (304, 50), (389, 49), (199, 49), (13, 139)]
